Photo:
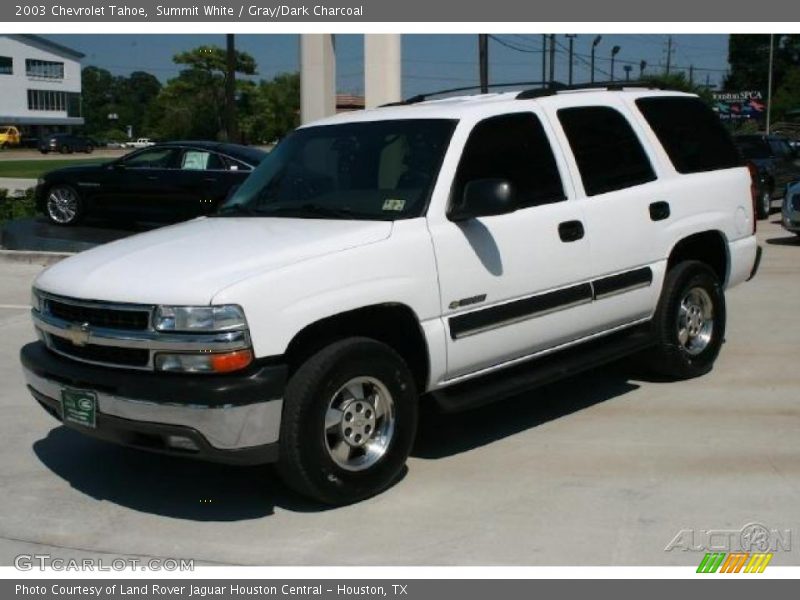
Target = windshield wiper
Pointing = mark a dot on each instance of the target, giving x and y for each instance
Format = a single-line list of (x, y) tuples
[(240, 210), (314, 210)]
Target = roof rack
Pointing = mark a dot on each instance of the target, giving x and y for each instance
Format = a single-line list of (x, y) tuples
[(612, 86), (546, 88), (422, 97)]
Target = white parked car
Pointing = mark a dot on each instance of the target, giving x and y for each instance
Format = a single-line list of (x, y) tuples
[(455, 251), (140, 143)]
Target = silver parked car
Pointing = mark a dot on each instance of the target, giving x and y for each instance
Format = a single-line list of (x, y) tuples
[(790, 213)]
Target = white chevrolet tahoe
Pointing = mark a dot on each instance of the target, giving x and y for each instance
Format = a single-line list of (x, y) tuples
[(454, 251)]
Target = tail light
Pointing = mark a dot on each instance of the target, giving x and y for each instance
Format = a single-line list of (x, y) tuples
[(753, 191)]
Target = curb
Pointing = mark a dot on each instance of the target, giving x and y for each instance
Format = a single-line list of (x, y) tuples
[(29, 257)]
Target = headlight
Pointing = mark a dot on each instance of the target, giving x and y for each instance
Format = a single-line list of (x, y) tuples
[(36, 300), (204, 362), (199, 318)]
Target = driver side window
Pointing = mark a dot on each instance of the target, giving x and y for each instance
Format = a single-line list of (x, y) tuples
[(513, 147)]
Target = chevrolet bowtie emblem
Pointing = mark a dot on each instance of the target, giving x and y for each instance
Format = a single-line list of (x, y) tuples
[(78, 333)]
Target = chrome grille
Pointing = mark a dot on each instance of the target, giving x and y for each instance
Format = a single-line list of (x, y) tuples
[(99, 316), (127, 357), (117, 334)]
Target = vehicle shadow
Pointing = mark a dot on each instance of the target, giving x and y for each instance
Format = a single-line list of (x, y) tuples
[(163, 485), (182, 488), (791, 240), (440, 435)]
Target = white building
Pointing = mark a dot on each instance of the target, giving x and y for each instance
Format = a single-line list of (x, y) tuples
[(40, 85)]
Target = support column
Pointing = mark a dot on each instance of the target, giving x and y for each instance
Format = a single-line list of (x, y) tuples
[(317, 76), (382, 69)]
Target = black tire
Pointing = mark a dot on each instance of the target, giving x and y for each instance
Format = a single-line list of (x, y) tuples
[(670, 357), (53, 215), (764, 205), (306, 465), (89, 149)]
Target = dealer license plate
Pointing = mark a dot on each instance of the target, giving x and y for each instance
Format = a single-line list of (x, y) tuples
[(79, 406)]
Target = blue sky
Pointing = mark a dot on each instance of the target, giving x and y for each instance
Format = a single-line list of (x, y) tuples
[(430, 62)]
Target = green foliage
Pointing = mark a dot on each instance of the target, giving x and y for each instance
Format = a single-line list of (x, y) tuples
[(678, 81), (191, 105), (16, 208), (748, 55), (32, 169), (270, 110), (128, 98)]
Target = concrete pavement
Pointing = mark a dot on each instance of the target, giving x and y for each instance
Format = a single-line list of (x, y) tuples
[(600, 469)]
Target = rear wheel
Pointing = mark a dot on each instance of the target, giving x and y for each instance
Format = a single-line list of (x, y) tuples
[(689, 325), (63, 205), (764, 204), (349, 421)]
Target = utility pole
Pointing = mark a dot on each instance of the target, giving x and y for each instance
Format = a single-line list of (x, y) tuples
[(691, 74), (669, 54), (642, 67), (769, 80), (594, 47), (544, 59), (571, 38), (483, 59), (552, 58), (231, 125), (627, 72)]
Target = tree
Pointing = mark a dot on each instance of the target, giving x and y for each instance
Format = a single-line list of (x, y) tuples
[(678, 81), (205, 79), (271, 109), (128, 98)]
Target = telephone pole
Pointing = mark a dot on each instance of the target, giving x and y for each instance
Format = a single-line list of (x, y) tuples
[(552, 58), (669, 54), (231, 125), (483, 59), (544, 59), (769, 80)]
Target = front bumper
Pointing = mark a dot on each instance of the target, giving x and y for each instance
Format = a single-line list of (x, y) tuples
[(231, 418)]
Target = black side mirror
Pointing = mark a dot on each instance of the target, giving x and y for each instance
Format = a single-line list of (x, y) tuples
[(484, 198)]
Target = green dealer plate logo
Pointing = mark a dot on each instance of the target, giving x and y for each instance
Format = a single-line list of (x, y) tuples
[(79, 406)]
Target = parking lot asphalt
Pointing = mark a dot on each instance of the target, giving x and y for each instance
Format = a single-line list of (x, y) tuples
[(600, 469)]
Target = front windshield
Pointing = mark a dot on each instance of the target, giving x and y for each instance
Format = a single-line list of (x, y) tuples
[(380, 170)]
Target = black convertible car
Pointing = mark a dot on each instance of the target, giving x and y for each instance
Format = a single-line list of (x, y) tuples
[(167, 182)]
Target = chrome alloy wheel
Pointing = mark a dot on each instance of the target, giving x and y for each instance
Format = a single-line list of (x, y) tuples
[(62, 204), (359, 423), (695, 321)]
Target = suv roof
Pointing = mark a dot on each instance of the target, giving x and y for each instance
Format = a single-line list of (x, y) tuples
[(479, 105)]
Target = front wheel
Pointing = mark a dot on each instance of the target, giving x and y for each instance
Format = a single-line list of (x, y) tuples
[(63, 205), (89, 149), (349, 421), (689, 324)]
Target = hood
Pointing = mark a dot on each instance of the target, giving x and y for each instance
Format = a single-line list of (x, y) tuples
[(190, 262)]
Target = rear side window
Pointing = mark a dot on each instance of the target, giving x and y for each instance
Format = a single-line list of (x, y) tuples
[(691, 134), (513, 147), (609, 155)]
